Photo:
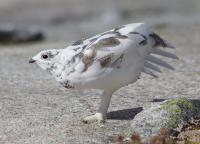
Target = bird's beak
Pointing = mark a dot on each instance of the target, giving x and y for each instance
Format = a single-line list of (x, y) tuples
[(32, 61)]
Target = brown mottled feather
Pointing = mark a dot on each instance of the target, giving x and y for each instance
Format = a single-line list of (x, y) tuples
[(105, 61)]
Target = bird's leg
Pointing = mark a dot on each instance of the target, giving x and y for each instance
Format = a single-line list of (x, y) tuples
[(101, 114)]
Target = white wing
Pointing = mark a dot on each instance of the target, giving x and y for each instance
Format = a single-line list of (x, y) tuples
[(114, 58), (122, 52), (126, 44)]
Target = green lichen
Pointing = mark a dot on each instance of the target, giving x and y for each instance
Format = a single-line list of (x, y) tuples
[(163, 120), (155, 123), (128, 132), (174, 111)]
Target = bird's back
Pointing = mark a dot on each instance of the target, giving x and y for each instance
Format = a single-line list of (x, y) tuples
[(114, 58)]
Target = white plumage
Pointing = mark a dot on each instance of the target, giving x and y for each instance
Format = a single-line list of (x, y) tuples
[(107, 61)]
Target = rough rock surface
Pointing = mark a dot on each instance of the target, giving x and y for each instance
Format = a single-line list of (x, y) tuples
[(166, 114)]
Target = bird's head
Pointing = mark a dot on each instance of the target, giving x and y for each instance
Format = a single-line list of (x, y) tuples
[(46, 59)]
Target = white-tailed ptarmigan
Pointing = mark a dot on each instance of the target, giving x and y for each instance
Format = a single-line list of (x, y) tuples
[(106, 61)]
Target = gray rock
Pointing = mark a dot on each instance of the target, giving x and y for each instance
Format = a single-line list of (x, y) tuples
[(166, 114), (13, 34)]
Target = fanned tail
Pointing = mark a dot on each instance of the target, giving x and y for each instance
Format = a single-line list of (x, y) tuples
[(159, 42)]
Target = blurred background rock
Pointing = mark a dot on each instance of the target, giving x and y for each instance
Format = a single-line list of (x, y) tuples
[(63, 20)]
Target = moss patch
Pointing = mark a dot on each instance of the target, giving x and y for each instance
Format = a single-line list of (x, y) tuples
[(174, 112), (128, 132)]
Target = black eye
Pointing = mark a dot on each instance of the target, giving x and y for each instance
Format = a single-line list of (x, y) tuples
[(45, 56)]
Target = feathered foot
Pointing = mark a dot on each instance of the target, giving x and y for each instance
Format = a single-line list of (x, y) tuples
[(101, 114), (98, 117)]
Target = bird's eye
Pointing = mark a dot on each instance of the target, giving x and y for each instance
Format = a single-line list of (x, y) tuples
[(45, 56)]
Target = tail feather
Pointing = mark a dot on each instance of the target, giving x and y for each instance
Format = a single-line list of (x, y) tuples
[(164, 53), (161, 42), (158, 61), (158, 41), (147, 71), (151, 66), (171, 46)]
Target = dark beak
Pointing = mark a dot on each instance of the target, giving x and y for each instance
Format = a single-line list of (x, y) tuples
[(32, 61)]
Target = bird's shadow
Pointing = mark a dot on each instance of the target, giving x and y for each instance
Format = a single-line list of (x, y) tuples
[(129, 114), (126, 114)]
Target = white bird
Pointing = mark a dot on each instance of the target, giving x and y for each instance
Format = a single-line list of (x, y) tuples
[(106, 61)]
